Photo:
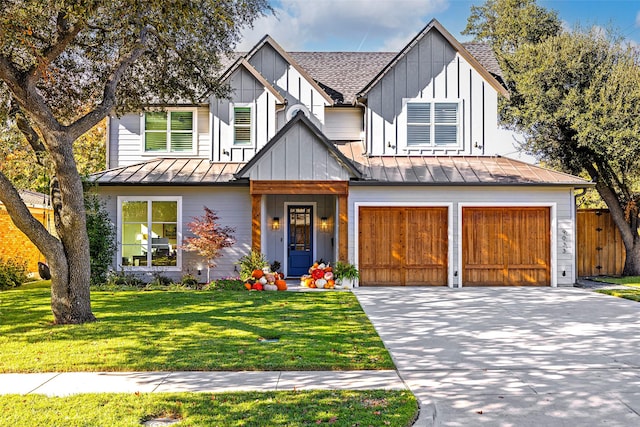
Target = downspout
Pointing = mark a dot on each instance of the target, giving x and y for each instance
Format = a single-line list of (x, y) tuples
[(357, 103), (108, 142), (576, 195)]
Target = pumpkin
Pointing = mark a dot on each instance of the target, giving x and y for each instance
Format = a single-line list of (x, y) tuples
[(257, 273), (270, 277), (328, 268), (281, 285), (308, 282), (320, 283), (263, 280), (257, 286), (321, 266), (328, 275), (317, 274), (248, 286), (270, 287), (330, 284)]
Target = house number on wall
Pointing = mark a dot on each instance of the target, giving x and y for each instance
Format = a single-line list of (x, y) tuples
[(565, 241)]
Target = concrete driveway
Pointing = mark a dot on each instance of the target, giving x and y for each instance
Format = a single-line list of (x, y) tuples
[(513, 356)]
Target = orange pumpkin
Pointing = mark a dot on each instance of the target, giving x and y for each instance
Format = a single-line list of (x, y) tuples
[(328, 269), (281, 284), (257, 273), (330, 284), (248, 286)]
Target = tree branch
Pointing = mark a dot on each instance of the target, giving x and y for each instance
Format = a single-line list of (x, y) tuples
[(28, 131), (66, 34), (86, 122), (24, 220)]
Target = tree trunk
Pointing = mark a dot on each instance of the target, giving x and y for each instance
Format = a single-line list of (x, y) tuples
[(70, 270), (632, 261)]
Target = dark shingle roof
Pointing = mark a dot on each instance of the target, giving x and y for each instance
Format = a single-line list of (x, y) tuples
[(343, 74)]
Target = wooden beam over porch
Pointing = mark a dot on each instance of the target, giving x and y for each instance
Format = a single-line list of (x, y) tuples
[(299, 187)]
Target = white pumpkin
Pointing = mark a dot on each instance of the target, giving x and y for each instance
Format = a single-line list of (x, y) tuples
[(322, 266), (270, 287), (270, 277), (263, 280), (320, 283)]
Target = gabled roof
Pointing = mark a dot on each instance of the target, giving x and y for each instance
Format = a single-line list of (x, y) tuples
[(242, 62), (272, 43), (454, 170), (434, 25), (300, 119), (33, 199)]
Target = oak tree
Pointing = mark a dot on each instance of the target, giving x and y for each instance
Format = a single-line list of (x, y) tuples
[(67, 64), (575, 97)]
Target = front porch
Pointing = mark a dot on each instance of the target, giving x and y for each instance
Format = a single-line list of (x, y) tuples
[(298, 222)]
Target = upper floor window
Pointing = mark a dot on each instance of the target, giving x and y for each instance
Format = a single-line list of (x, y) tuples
[(432, 123), (169, 131), (242, 125)]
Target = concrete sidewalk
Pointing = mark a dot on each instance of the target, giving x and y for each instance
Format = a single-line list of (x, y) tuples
[(66, 383)]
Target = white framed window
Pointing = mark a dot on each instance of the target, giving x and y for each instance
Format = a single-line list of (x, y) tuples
[(243, 124), (432, 123), (150, 232), (171, 131)]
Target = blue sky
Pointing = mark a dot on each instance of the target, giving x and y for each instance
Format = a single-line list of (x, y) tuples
[(387, 25)]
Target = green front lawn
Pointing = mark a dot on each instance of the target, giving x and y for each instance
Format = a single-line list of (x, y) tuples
[(190, 330), (628, 280), (631, 293), (336, 408)]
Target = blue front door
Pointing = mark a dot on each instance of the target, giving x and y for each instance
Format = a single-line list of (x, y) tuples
[(300, 240)]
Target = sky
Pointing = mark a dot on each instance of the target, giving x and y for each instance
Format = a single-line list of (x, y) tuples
[(387, 25)]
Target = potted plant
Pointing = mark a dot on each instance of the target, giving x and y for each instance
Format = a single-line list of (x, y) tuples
[(347, 274)]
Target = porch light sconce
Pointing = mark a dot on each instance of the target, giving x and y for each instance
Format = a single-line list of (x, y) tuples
[(276, 223), (199, 272), (324, 225)]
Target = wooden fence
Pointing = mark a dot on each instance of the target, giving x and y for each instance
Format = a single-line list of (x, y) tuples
[(600, 248)]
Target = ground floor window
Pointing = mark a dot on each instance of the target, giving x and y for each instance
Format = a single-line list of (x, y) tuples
[(149, 231)]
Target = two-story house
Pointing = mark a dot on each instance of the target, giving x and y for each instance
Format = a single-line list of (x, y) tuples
[(392, 161)]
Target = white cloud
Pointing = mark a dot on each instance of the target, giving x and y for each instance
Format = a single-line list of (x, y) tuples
[(344, 24)]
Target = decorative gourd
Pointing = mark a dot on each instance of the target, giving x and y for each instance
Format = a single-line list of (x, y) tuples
[(270, 287), (263, 280), (330, 284), (321, 266), (320, 283), (270, 277), (281, 285), (328, 275), (257, 273)]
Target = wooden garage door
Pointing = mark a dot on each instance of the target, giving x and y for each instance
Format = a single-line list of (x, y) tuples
[(506, 246), (402, 246)]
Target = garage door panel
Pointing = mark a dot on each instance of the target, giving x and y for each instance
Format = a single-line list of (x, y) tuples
[(403, 245), (506, 246)]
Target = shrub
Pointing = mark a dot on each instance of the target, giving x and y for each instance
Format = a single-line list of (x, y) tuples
[(250, 262), (228, 284), (102, 241), (123, 280), (13, 273), (189, 281)]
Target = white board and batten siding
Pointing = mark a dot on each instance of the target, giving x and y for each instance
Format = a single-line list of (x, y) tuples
[(343, 124), (245, 91), (290, 83), (232, 204), (126, 139), (298, 155), (432, 71), (559, 200)]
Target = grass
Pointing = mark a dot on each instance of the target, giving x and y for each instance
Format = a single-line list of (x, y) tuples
[(631, 293), (337, 408), (628, 280), (189, 330)]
